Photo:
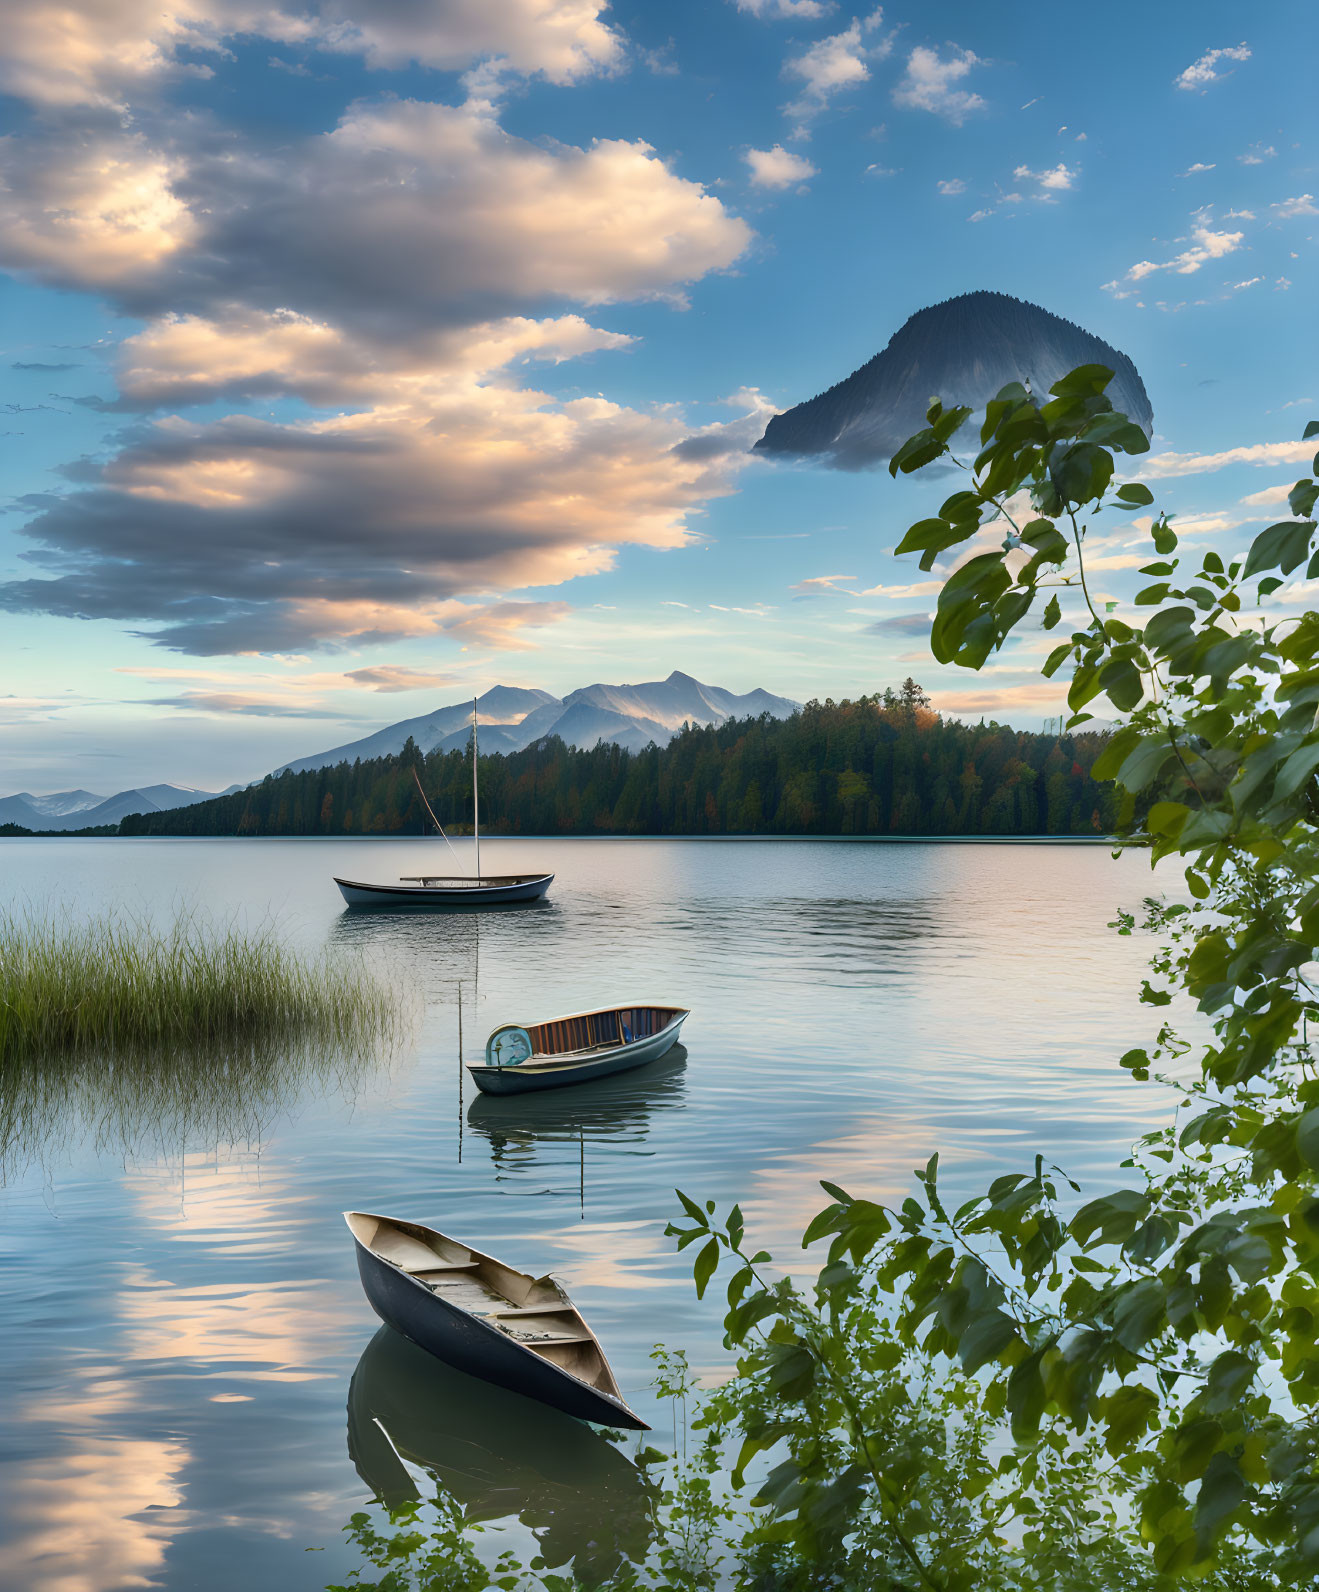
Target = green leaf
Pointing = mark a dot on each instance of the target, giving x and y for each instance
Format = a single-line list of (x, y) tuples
[(1129, 1412), (1282, 546), (705, 1265), (1307, 1138), (1136, 494), (985, 1339), (1052, 614), (1229, 1377)]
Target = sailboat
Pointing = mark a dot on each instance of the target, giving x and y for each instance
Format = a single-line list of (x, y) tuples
[(440, 890)]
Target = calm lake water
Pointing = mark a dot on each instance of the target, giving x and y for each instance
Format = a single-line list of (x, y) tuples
[(182, 1320)]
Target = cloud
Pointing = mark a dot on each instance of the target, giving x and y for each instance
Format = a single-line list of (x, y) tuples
[(802, 10), (1200, 74), (778, 167), (1269, 495), (1257, 453), (833, 64), (1302, 205), (243, 704), (391, 678), (38, 365), (246, 535), (405, 213), (187, 359), (951, 185), (916, 588), (1257, 154), (900, 625), (1057, 179), (1198, 167), (97, 54), (929, 84), (1208, 245), (817, 585), (1005, 700)]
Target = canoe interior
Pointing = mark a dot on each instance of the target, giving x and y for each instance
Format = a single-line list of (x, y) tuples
[(602, 1030), (534, 1311)]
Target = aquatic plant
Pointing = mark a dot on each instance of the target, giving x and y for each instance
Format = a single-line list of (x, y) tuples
[(134, 1031)]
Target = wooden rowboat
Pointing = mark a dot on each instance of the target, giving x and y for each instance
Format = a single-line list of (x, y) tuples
[(485, 1318), (576, 1048)]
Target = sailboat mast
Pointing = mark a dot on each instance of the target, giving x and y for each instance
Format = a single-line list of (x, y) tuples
[(476, 799)]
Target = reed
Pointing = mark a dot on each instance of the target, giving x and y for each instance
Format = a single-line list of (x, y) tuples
[(138, 1034), (117, 984)]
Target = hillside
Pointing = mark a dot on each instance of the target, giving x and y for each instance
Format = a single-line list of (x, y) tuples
[(877, 766), (963, 351)]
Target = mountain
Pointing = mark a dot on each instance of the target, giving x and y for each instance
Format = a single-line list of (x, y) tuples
[(512, 717), (502, 704), (962, 351), (53, 812)]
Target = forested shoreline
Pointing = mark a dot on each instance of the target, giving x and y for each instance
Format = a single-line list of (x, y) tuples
[(880, 765)]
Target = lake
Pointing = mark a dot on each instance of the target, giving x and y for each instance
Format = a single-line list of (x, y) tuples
[(181, 1312)]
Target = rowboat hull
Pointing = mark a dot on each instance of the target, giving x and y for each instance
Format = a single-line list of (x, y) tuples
[(530, 1078), (395, 897), (472, 1345)]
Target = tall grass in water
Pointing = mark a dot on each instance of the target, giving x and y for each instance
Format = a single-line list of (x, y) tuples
[(122, 1029)]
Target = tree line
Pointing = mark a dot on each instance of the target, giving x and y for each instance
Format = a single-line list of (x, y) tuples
[(880, 765)]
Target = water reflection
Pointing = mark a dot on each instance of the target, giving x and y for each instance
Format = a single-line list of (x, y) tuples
[(148, 1102), (498, 1454), (524, 1131)]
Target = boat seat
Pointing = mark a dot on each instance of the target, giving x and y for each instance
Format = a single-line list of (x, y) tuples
[(409, 1252), (534, 1310), (444, 1269)]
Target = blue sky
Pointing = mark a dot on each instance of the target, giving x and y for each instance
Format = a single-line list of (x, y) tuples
[(347, 347)]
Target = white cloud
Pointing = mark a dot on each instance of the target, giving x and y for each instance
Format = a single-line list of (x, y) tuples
[(778, 167), (832, 65), (1201, 73), (1302, 205), (1208, 244), (1257, 154), (96, 52), (1198, 167), (1257, 453), (952, 185), (1055, 180), (980, 215), (929, 84), (1250, 281), (817, 585), (1270, 494), (802, 10)]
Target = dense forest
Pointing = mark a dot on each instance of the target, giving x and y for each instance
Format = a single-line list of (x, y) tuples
[(882, 765)]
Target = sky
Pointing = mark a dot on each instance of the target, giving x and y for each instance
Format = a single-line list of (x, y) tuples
[(352, 355)]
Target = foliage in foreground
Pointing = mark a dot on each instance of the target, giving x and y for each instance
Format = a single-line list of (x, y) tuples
[(1021, 1393), (881, 765), (114, 985), (1170, 1325)]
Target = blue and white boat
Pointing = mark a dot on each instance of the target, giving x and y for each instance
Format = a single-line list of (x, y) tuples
[(577, 1048)]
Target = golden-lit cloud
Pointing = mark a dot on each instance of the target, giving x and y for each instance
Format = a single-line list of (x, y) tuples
[(101, 52)]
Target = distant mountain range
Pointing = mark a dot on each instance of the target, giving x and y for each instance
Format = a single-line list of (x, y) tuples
[(511, 717), (83, 809), (963, 351)]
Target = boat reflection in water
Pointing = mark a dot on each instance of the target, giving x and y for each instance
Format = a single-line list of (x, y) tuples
[(615, 1111), (498, 1454)]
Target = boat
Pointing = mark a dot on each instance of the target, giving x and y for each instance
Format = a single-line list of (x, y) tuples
[(575, 1049), (497, 1454), (484, 1317), (441, 890)]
